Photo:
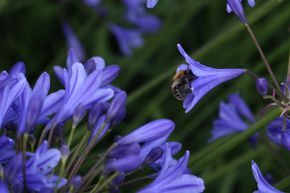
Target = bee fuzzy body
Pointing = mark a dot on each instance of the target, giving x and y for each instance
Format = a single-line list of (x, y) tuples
[(180, 86)]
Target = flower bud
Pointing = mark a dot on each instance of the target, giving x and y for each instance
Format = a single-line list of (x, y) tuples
[(78, 115), (64, 151), (96, 112), (117, 109), (149, 132), (237, 7), (155, 154), (262, 86)]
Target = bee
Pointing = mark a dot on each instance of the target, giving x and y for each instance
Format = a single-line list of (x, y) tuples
[(180, 86)]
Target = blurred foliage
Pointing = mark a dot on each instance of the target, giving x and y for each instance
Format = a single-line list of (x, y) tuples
[(30, 31)]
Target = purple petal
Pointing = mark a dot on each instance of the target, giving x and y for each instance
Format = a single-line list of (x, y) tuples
[(151, 3), (263, 185), (3, 187), (149, 132), (74, 43)]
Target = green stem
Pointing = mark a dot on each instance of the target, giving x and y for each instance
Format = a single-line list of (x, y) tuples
[(235, 140), (25, 138), (263, 56), (108, 181), (71, 135)]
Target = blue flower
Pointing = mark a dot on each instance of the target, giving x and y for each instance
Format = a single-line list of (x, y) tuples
[(149, 132), (39, 170), (8, 95), (263, 185), (174, 177), (136, 14), (73, 41), (81, 88), (262, 86), (3, 187), (151, 3), (6, 149), (237, 7), (127, 38), (279, 133), (31, 103), (233, 118), (206, 78)]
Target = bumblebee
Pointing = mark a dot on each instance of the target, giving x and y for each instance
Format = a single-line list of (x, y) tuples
[(180, 86)]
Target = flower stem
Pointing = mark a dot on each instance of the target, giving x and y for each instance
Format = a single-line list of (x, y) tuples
[(94, 170), (72, 131), (263, 56), (108, 181), (77, 151), (24, 146)]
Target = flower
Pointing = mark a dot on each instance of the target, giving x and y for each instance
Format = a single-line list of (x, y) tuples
[(127, 38), (151, 3), (175, 178), (8, 95), (233, 118), (6, 149), (278, 132), (206, 78), (263, 185), (39, 168), (73, 41), (237, 7), (149, 132), (82, 88), (262, 86), (136, 14)]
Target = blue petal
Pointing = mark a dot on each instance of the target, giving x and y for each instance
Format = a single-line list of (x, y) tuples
[(149, 132), (3, 187), (263, 185), (151, 3), (73, 42), (242, 107)]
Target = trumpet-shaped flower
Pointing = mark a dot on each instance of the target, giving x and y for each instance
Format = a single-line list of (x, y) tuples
[(81, 88), (174, 177), (206, 79), (279, 132), (8, 94), (263, 184), (237, 7), (149, 132), (73, 41), (127, 38), (233, 118)]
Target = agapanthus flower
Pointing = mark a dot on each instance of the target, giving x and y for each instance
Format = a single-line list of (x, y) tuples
[(135, 15), (39, 170), (174, 178), (73, 41), (151, 3), (6, 149), (130, 154), (237, 7), (205, 78), (263, 185), (82, 88), (234, 117), (278, 132), (262, 86), (127, 38), (8, 95)]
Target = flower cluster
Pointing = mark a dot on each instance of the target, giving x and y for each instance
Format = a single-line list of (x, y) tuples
[(233, 118), (128, 38), (52, 167)]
